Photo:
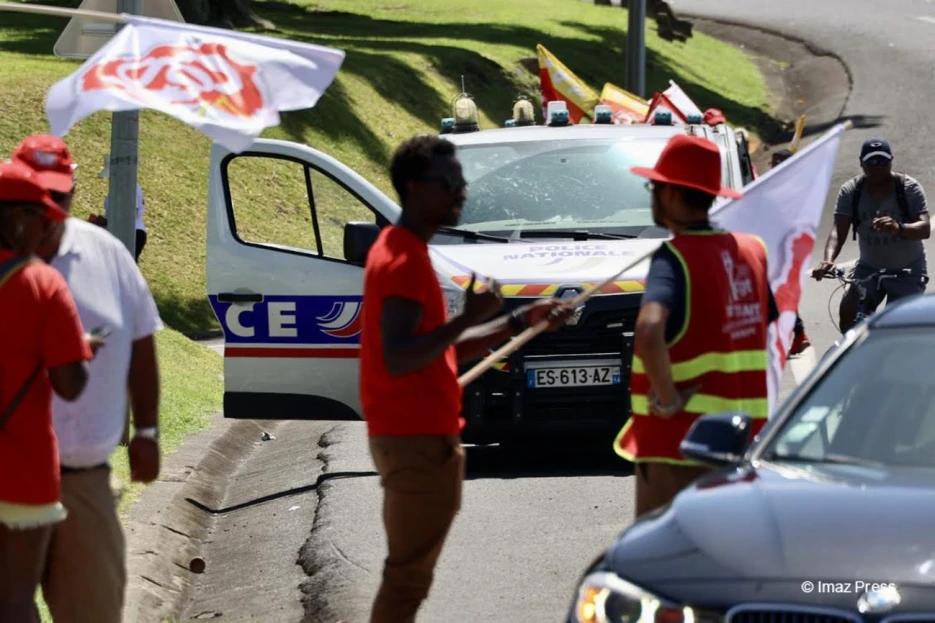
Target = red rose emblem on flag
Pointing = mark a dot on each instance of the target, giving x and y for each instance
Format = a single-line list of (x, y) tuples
[(200, 77)]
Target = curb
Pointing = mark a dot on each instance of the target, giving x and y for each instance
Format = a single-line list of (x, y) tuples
[(165, 531)]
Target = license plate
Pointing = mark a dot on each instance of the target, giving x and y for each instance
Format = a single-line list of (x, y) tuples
[(578, 376)]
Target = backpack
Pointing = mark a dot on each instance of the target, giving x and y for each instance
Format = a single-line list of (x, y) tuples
[(7, 270), (901, 200)]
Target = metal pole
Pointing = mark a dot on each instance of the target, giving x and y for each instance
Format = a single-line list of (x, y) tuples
[(124, 157), (636, 47)]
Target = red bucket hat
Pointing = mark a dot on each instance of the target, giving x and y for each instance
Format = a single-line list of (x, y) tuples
[(50, 158), (689, 161), (20, 184)]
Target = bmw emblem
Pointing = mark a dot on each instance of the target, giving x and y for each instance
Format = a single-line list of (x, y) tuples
[(879, 599)]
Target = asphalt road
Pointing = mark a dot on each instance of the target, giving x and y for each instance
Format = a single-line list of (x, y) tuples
[(888, 51), (530, 524)]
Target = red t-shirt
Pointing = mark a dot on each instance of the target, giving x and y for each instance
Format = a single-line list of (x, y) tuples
[(426, 401), (38, 323)]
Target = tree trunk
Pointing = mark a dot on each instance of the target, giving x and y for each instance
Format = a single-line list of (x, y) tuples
[(224, 13)]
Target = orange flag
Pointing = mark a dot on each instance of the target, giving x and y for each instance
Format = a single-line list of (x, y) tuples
[(557, 82), (627, 108)]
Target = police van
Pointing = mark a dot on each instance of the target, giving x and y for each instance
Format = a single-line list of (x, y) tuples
[(551, 209)]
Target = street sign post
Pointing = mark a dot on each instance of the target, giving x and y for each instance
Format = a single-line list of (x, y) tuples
[(82, 38), (636, 47)]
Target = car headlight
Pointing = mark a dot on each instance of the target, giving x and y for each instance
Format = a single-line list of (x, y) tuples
[(454, 298), (605, 597)]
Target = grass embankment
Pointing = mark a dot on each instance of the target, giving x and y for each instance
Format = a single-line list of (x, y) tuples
[(403, 68)]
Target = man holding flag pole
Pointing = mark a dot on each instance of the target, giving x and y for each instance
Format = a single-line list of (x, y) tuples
[(700, 344)]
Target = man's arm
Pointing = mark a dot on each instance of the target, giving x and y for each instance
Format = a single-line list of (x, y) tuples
[(650, 343), (403, 350), (836, 237), (476, 341), (920, 228), (65, 348), (144, 383)]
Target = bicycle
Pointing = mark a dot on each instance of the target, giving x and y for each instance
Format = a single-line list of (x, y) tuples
[(863, 311)]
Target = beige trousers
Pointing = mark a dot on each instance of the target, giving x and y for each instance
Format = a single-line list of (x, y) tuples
[(85, 572)]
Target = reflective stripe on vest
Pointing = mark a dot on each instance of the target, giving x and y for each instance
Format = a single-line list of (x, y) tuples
[(741, 361)]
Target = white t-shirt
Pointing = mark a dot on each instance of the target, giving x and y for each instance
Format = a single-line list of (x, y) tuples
[(109, 290), (140, 208)]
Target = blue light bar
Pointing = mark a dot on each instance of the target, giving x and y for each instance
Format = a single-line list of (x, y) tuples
[(603, 114), (695, 119), (663, 117), (448, 125)]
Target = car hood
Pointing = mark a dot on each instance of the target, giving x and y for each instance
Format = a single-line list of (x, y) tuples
[(827, 522), (552, 262)]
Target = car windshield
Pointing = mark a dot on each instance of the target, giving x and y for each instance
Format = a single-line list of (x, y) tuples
[(571, 184), (876, 405)]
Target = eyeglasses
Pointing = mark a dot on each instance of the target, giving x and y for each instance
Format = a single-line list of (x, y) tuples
[(877, 161), (449, 182)]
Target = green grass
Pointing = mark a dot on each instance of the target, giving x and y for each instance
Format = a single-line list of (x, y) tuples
[(191, 392), (404, 62)]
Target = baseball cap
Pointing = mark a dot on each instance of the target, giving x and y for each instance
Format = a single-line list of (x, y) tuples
[(689, 161), (50, 158), (875, 147), (20, 184), (714, 116)]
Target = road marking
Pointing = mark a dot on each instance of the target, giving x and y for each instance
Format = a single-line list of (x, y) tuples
[(803, 363)]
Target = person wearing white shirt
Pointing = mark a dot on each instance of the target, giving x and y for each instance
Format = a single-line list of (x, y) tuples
[(85, 576)]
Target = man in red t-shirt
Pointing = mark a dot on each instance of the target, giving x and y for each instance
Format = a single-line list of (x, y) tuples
[(44, 350), (409, 370)]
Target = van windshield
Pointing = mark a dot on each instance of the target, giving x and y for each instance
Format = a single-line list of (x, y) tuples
[(581, 184)]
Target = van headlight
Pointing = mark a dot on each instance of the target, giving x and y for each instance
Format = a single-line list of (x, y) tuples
[(605, 597), (454, 298)]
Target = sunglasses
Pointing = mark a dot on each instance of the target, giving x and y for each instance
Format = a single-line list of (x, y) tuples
[(877, 161), (449, 182)]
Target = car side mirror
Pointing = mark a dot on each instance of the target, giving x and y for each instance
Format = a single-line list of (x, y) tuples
[(717, 439), (358, 238)]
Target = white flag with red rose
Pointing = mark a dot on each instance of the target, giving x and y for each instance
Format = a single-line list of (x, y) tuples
[(229, 85), (784, 208)]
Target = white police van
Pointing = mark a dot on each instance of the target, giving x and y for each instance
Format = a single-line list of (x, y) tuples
[(550, 210)]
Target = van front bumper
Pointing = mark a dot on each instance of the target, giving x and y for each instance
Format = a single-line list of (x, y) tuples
[(503, 405)]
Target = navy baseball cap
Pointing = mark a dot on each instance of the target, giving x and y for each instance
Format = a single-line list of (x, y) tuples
[(875, 148)]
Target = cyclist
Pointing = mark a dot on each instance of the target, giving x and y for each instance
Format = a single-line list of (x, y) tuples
[(889, 216), (800, 341)]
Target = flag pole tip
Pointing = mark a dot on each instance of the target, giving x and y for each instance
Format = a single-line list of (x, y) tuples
[(848, 125)]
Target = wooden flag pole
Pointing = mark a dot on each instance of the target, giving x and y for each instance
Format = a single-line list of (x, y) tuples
[(61, 11), (520, 340)]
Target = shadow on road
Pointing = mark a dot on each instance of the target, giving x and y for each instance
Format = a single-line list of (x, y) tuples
[(861, 122), (279, 494), (549, 460)]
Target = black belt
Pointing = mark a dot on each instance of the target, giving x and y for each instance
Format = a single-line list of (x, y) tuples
[(78, 470)]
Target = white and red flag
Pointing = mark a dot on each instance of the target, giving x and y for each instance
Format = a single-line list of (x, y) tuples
[(229, 85), (784, 207)]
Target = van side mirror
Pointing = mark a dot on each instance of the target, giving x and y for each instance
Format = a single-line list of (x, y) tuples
[(717, 439), (358, 238)]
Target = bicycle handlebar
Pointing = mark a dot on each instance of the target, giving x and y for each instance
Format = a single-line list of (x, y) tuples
[(882, 273)]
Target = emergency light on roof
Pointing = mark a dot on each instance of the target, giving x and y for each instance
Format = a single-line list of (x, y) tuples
[(465, 113), (603, 114), (448, 125), (695, 119), (509, 123), (557, 113), (523, 112), (662, 117)]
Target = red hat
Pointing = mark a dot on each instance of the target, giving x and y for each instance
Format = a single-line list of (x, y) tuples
[(20, 184), (689, 161), (50, 158), (714, 116)]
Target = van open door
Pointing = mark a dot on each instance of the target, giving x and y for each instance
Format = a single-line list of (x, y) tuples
[(288, 232)]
